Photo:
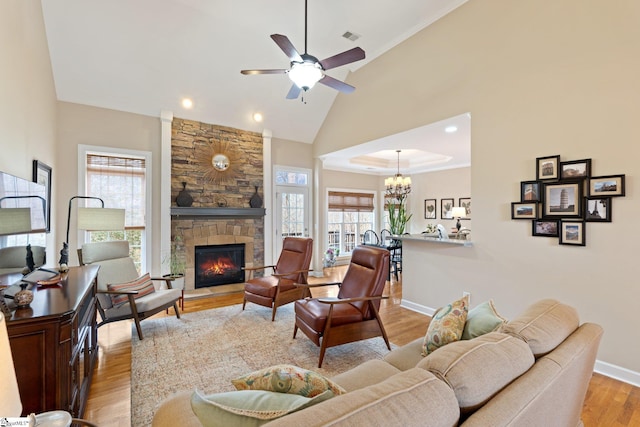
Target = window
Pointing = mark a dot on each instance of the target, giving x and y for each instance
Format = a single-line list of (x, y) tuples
[(121, 182), (350, 215)]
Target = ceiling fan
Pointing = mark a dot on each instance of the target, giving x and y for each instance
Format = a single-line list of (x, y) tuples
[(306, 70)]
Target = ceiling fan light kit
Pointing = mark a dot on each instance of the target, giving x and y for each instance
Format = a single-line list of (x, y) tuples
[(306, 70)]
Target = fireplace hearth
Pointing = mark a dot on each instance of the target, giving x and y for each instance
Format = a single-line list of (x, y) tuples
[(219, 264)]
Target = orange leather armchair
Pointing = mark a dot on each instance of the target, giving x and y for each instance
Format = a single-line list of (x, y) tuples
[(279, 289), (353, 315)]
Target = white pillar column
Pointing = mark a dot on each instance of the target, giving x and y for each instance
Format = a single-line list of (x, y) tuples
[(268, 197), (166, 118)]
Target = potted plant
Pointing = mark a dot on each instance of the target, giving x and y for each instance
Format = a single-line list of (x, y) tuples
[(175, 260), (398, 217)]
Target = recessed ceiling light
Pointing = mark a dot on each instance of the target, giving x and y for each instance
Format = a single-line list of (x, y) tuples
[(257, 117), (451, 129), (187, 103)]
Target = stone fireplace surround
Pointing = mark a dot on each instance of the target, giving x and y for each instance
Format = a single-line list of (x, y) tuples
[(188, 139), (218, 232)]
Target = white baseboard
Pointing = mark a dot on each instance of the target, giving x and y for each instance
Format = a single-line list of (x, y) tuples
[(618, 373), (607, 369)]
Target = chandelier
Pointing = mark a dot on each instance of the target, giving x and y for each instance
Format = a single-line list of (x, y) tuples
[(397, 186)]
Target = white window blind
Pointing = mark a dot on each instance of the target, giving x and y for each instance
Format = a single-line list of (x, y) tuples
[(120, 182)]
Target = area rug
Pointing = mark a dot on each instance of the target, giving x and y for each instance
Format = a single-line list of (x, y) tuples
[(207, 349)]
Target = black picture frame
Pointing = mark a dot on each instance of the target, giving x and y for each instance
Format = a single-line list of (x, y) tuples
[(446, 208), (597, 209), (530, 191), (524, 210), (575, 169), (430, 203), (562, 199), (572, 233), (547, 168), (42, 175), (606, 186), (465, 202), (544, 227)]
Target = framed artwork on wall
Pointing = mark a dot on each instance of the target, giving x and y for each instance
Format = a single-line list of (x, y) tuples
[(562, 200), (42, 175), (545, 228), (612, 186), (575, 169), (597, 209), (547, 167), (524, 210), (465, 202), (446, 208), (530, 191), (430, 211), (572, 233)]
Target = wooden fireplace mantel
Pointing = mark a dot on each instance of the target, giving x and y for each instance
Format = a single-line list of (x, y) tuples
[(203, 213)]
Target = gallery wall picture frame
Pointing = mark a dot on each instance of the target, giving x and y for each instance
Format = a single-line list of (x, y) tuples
[(41, 174), (547, 168), (465, 202), (524, 210), (530, 191), (446, 208), (597, 209), (611, 185), (562, 200), (544, 227), (430, 209), (572, 233), (575, 169)]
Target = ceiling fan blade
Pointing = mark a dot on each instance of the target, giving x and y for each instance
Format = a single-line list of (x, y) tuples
[(346, 57), (294, 92), (287, 47), (252, 72), (336, 84)]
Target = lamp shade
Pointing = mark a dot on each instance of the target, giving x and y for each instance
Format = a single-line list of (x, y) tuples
[(459, 212), (100, 219), (10, 405), (15, 221), (305, 74)]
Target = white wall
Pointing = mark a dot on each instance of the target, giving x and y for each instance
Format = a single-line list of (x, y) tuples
[(27, 97), (540, 78)]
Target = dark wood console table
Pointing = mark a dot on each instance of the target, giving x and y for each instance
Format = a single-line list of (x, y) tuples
[(54, 342)]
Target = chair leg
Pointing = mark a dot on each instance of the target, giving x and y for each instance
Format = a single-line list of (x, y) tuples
[(323, 347), (273, 312), (379, 320), (244, 302), (138, 327), (295, 330), (175, 307)]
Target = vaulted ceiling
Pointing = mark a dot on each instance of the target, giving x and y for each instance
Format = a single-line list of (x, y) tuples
[(145, 56)]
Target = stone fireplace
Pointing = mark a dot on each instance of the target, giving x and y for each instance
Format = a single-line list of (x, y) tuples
[(220, 213)]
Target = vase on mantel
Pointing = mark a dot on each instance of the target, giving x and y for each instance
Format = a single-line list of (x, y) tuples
[(184, 199), (256, 200)]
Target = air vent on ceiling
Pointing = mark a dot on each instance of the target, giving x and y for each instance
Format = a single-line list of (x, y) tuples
[(351, 36)]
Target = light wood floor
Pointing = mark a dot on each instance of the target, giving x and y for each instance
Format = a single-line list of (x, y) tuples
[(608, 402)]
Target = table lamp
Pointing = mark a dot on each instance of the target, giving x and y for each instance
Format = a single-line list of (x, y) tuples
[(15, 221), (458, 213)]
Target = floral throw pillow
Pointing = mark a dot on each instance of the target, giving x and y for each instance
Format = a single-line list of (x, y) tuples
[(446, 325), (287, 379)]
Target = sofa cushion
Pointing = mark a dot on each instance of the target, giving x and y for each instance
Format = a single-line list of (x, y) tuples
[(406, 356), (446, 326), (413, 397), (365, 374), (543, 325), (477, 369), (482, 319), (142, 284), (248, 407), (287, 379)]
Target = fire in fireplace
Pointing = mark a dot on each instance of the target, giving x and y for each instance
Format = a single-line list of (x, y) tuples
[(219, 265)]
